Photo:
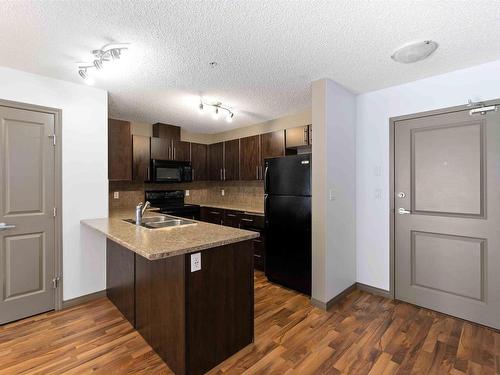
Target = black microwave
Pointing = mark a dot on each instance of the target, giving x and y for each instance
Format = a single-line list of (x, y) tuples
[(170, 171)]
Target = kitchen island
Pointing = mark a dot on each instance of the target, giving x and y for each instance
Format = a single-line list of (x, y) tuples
[(188, 290)]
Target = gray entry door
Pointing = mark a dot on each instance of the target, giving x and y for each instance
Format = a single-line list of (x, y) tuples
[(447, 247), (27, 157)]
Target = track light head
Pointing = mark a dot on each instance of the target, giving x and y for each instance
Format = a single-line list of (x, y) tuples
[(98, 64), (115, 53), (83, 73), (201, 107)]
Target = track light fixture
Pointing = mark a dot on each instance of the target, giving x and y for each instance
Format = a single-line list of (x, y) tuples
[(217, 107), (109, 52)]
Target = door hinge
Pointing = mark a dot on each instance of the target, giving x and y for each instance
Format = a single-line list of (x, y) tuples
[(56, 281), (54, 139), (55, 211)]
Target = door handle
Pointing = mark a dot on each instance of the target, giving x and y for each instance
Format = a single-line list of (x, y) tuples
[(4, 226), (265, 179), (403, 211)]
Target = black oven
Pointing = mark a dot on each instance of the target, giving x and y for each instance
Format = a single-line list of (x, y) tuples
[(170, 171)]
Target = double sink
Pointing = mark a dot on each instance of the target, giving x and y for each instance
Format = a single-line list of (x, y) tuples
[(163, 221)]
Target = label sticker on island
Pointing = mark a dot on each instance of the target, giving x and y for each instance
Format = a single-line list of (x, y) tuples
[(195, 262)]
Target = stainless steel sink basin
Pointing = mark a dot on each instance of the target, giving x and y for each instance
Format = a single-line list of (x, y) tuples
[(163, 221)]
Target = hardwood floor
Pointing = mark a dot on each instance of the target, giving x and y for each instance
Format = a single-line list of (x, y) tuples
[(364, 334)]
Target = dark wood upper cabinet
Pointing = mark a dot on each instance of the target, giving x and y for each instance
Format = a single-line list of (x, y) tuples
[(161, 148), (215, 161), (199, 163), (297, 137), (167, 131), (181, 151), (250, 158), (231, 169), (272, 145), (140, 158), (119, 150)]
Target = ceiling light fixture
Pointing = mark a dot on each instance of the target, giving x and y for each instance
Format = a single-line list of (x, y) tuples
[(217, 107), (109, 52), (415, 51)]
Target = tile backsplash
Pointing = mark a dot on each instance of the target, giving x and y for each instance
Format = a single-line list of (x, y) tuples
[(241, 193)]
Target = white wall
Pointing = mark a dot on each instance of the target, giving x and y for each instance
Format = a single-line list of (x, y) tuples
[(334, 190), (84, 159), (374, 109)]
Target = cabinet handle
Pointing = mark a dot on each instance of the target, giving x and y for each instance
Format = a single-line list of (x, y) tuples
[(257, 171), (257, 256), (305, 135), (173, 152), (215, 212), (192, 174), (224, 174), (221, 174), (231, 215), (147, 174), (249, 220)]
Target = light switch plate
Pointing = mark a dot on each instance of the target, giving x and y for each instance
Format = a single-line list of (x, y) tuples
[(186, 193), (332, 195), (195, 262), (222, 192), (116, 195)]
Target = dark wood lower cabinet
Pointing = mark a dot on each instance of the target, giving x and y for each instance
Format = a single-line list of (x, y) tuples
[(243, 220), (120, 279), (193, 320)]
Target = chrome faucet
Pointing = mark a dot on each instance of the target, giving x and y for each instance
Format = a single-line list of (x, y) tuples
[(139, 211)]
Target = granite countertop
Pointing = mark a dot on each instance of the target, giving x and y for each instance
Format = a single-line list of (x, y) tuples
[(234, 206), (165, 242)]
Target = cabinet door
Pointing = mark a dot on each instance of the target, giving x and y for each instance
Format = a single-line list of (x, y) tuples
[(141, 158), (181, 151), (119, 150), (161, 148), (215, 161), (231, 160), (171, 132), (199, 161), (250, 158), (272, 145), (297, 137)]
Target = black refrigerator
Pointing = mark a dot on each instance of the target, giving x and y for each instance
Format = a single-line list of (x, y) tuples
[(287, 185)]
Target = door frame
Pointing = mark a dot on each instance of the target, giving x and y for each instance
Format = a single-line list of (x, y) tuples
[(392, 173), (58, 250)]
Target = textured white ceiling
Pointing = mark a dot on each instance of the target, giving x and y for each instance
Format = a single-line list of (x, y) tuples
[(268, 52)]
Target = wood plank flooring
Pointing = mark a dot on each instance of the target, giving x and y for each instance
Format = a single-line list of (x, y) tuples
[(364, 334)]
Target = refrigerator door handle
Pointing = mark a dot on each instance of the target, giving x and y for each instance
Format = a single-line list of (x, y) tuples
[(266, 221), (265, 179)]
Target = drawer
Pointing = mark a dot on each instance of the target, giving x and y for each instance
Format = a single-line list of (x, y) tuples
[(248, 220), (231, 218), (258, 262), (212, 215)]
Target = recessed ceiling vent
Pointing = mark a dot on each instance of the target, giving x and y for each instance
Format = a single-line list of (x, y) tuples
[(415, 51)]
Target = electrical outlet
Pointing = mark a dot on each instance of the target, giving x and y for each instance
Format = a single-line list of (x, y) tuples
[(222, 192), (378, 193), (186, 193), (195, 262), (116, 195)]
